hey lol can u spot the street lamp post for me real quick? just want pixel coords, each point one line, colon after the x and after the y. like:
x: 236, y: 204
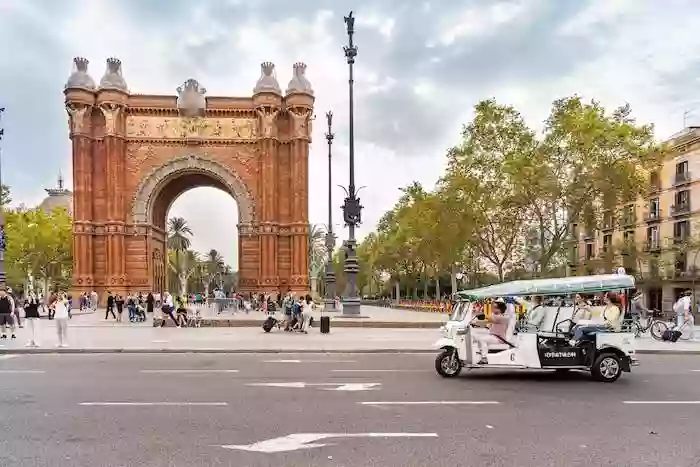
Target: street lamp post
x: 352, y: 209
x: 3, y: 238
x: 329, y: 301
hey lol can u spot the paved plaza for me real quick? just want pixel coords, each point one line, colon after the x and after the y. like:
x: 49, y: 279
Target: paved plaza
x: 143, y: 337
x: 348, y: 410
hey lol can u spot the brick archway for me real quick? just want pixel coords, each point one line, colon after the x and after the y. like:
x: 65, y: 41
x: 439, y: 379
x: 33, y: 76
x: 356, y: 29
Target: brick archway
x: 133, y: 154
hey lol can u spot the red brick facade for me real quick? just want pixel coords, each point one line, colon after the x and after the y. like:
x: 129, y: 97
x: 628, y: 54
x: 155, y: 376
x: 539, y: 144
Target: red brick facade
x: 134, y: 154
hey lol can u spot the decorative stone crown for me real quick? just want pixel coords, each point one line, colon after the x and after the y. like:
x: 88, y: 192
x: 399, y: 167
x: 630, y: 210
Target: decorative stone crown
x: 299, y: 83
x: 80, y: 78
x: 191, y: 99
x: 267, y: 81
x: 113, y: 78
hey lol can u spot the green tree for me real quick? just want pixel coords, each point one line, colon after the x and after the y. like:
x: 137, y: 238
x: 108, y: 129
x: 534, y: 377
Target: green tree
x: 39, y: 244
x: 179, y: 241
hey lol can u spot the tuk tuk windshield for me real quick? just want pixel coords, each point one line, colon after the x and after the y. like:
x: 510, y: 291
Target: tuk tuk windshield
x: 460, y: 311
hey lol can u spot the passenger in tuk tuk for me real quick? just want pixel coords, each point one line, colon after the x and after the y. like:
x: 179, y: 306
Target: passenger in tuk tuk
x: 498, y: 331
x: 612, y: 318
x: 582, y: 311
x: 536, y: 315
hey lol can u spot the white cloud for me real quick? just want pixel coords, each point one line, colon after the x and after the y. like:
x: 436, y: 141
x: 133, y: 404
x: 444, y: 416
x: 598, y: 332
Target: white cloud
x: 645, y: 53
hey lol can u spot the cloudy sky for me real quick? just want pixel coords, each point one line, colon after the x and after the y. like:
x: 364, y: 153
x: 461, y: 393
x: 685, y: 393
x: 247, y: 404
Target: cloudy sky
x: 421, y: 67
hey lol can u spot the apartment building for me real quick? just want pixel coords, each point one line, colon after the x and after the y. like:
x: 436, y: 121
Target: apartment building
x: 649, y: 238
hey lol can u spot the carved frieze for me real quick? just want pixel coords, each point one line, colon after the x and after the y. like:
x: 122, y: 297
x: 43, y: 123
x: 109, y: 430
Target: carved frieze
x: 175, y: 128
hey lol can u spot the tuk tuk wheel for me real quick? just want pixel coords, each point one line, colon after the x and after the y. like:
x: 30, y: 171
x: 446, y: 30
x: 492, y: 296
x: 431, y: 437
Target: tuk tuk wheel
x: 606, y: 368
x: 447, y: 364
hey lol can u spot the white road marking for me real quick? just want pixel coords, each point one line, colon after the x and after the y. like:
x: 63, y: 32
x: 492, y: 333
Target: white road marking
x: 663, y: 402
x: 379, y: 371
x: 340, y: 386
x: 189, y: 371
x: 159, y: 342
x: 22, y: 371
x: 297, y: 441
x: 153, y: 404
x: 430, y: 403
x: 309, y: 361
x: 7, y: 357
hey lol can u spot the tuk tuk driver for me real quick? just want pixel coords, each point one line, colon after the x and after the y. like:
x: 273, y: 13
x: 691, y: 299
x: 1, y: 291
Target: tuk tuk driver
x: 497, y: 332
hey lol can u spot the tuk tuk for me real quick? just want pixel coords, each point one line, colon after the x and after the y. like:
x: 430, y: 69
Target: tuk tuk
x: 559, y: 342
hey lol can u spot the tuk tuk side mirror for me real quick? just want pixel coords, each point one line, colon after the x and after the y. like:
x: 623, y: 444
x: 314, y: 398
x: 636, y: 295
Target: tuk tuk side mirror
x: 480, y: 317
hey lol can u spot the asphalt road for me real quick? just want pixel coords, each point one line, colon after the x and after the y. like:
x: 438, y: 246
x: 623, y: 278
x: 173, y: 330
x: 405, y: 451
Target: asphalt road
x: 55, y: 410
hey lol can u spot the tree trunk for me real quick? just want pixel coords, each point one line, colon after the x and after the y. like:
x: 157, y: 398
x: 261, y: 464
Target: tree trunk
x: 453, y: 278
x: 183, y: 283
x: 437, y: 288
x: 425, y: 286
x: 397, y: 289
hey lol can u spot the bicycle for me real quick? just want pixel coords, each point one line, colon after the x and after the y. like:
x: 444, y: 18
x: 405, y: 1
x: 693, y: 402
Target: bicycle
x: 655, y: 326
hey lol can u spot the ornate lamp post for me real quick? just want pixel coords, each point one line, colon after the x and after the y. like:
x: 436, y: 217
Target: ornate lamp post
x: 2, y: 212
x: 329, y: 301
x: 352, y: 210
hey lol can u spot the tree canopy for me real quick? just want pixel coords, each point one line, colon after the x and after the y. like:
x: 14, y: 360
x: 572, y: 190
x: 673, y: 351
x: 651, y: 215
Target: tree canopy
x: 510, y: 194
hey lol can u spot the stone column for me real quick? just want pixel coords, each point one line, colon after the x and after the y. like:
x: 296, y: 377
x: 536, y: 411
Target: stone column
x: 115, y: 153
x: 299, y: 229
x: 80, y: 134
x: 269, y: 222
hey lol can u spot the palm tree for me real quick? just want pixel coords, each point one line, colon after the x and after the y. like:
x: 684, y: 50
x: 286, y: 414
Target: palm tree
x: 212, y: 265
x: 179, y: 234
x: 317, y: 251
x: 184, y: 266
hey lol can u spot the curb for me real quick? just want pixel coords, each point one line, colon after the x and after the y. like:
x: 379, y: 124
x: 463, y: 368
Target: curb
x: 335, y: 323
x: 273, y: 351
x: 210, y: 351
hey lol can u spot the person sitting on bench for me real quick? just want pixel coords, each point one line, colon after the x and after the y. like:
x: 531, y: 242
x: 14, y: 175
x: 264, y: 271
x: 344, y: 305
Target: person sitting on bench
x: 497, y: 333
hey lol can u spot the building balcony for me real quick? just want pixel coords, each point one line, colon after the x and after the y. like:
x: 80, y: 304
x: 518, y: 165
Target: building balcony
x: 653, y: 216
x: 608, y: 223
x: 627, y: 220
x: 681, y: 239
x: 680, y: 209
x: 681, y: 178
x: 589, y: 234
x: 652, y: 246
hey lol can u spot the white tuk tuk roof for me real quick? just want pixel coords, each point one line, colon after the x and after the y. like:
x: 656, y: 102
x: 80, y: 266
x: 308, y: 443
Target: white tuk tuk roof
x: 559, y: 286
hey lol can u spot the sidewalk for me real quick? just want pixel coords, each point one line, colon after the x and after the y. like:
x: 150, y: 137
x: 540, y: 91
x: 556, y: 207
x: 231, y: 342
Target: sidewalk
x: 373, y: 317
x: 147, y: 339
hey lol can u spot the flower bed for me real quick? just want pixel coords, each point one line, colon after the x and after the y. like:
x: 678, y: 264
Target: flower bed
x: 431, y: 306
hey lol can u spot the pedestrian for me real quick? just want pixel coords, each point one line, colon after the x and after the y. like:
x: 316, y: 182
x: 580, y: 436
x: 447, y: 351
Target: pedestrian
x: 6, y: 308
x: 168, y: 308
x: 684, y: 314
x: 15, y: 308
x: 150, y: 301
x: 61, y: 317
x: 119, y: 302
x: 31, y: 316
x: 110, y: 306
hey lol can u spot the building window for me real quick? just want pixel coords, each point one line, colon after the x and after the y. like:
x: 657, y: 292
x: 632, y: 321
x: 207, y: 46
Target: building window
x: 628, y: 237
x: 681, y: 231
x: 654, y: 181
x: 682, y: 175
x: 681, y: 263
x: 682, y: 198
x: 654, y: 208
x: 653, y: 240
x: 607, y: 243
x: 589, y: 251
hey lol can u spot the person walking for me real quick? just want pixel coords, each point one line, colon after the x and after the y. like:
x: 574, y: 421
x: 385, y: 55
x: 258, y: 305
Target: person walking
x: 61, y: 317
x: 15, y: 308
x: 110, y: 306
x: 6, y: 308
x: 168, y: 308
x: 31, y: 316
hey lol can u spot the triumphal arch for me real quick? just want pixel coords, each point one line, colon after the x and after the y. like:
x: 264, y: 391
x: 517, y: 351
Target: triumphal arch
x: 134, y: 154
